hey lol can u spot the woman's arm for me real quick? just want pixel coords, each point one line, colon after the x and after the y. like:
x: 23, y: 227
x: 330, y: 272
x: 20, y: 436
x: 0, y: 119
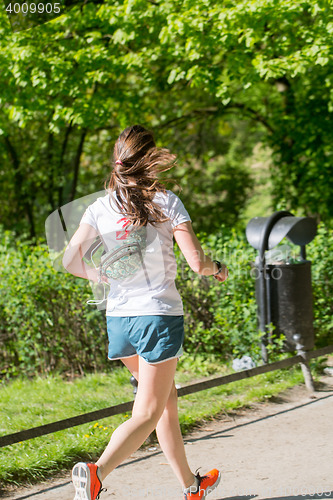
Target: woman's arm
x: 76, y: 249
x: 194, y: 254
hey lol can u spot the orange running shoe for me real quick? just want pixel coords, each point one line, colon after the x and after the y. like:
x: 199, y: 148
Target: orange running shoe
x: 206, y: 484
x: 86, y: 482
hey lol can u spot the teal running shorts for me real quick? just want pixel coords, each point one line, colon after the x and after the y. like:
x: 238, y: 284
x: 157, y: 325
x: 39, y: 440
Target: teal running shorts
x: 154, y: 338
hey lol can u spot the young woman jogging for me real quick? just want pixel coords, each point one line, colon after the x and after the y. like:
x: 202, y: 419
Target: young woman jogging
x: 144, y: 310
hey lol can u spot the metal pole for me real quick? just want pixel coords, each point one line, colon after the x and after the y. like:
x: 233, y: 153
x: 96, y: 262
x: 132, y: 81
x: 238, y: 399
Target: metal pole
x: 134, y: 383
x: 309, y: 382
x: 303, y: 252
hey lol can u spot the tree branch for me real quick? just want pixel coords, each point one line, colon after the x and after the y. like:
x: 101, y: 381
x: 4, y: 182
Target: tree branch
x: 252, y: 113
x: 202, y: 111
x: 216, y: 110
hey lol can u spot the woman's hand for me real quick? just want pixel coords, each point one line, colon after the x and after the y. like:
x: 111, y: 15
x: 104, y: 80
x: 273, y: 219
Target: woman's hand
x: 94, y: 275
x: 223, y: 274
x: 104, y: 279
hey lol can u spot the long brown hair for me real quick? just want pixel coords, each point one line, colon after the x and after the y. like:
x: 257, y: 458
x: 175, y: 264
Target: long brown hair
x: 136, y: 164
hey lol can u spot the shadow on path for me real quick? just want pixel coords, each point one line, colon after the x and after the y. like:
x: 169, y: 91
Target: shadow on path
x: 261, y: 419
x: 45, y: 490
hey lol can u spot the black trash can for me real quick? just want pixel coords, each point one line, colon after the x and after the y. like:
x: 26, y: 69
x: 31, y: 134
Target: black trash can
x: 283, y: 289
x: 289, y: 302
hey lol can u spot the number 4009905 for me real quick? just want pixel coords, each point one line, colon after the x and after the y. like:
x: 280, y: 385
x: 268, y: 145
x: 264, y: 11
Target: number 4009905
x: 25, y: 8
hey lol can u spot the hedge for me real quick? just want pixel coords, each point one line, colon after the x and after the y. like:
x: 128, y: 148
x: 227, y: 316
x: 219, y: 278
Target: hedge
x: 47, y: 326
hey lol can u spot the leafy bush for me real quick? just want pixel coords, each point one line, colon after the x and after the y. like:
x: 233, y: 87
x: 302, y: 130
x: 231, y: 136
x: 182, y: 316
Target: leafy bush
x: 46, y: 325
x: 320, y: 252
x: 220, y: 318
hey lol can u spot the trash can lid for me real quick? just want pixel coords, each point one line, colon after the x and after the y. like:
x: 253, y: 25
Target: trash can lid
x: 298, y: 230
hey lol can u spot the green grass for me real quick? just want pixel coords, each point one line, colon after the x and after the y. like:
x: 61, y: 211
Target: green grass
x: 29, y: 403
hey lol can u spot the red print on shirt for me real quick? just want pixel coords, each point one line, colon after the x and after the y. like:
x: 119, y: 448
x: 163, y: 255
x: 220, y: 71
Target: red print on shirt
x: 122, y: 235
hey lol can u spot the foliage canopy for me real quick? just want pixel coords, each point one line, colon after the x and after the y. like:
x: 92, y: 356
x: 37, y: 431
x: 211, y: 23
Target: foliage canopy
x: 187, y: 69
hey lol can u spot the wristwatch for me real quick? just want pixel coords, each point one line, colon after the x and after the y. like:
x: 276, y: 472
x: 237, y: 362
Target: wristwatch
x: 220, y: 267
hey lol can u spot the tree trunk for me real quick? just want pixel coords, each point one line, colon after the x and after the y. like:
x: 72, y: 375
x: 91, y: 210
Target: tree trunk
x: 61, y: 161
x: 23, y: 200
x: 77, y: 164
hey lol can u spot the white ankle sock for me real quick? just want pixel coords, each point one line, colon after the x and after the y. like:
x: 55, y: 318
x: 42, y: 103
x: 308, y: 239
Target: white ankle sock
x: 98, y: 472
x: 194, y: 487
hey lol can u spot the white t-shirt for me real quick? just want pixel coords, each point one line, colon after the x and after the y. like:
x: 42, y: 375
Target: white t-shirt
x: 151, y: 290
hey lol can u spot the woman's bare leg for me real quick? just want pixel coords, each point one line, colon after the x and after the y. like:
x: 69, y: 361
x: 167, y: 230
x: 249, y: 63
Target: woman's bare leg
x: 152, y: 395
x: 168, y: 431
x: 171, y: 440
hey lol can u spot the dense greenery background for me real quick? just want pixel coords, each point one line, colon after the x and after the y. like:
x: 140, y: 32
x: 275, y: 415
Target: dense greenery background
x: 46, y: 325
x: 242, y: 91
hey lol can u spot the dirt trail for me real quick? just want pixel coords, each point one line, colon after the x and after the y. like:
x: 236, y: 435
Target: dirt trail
x: 281, y: 450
